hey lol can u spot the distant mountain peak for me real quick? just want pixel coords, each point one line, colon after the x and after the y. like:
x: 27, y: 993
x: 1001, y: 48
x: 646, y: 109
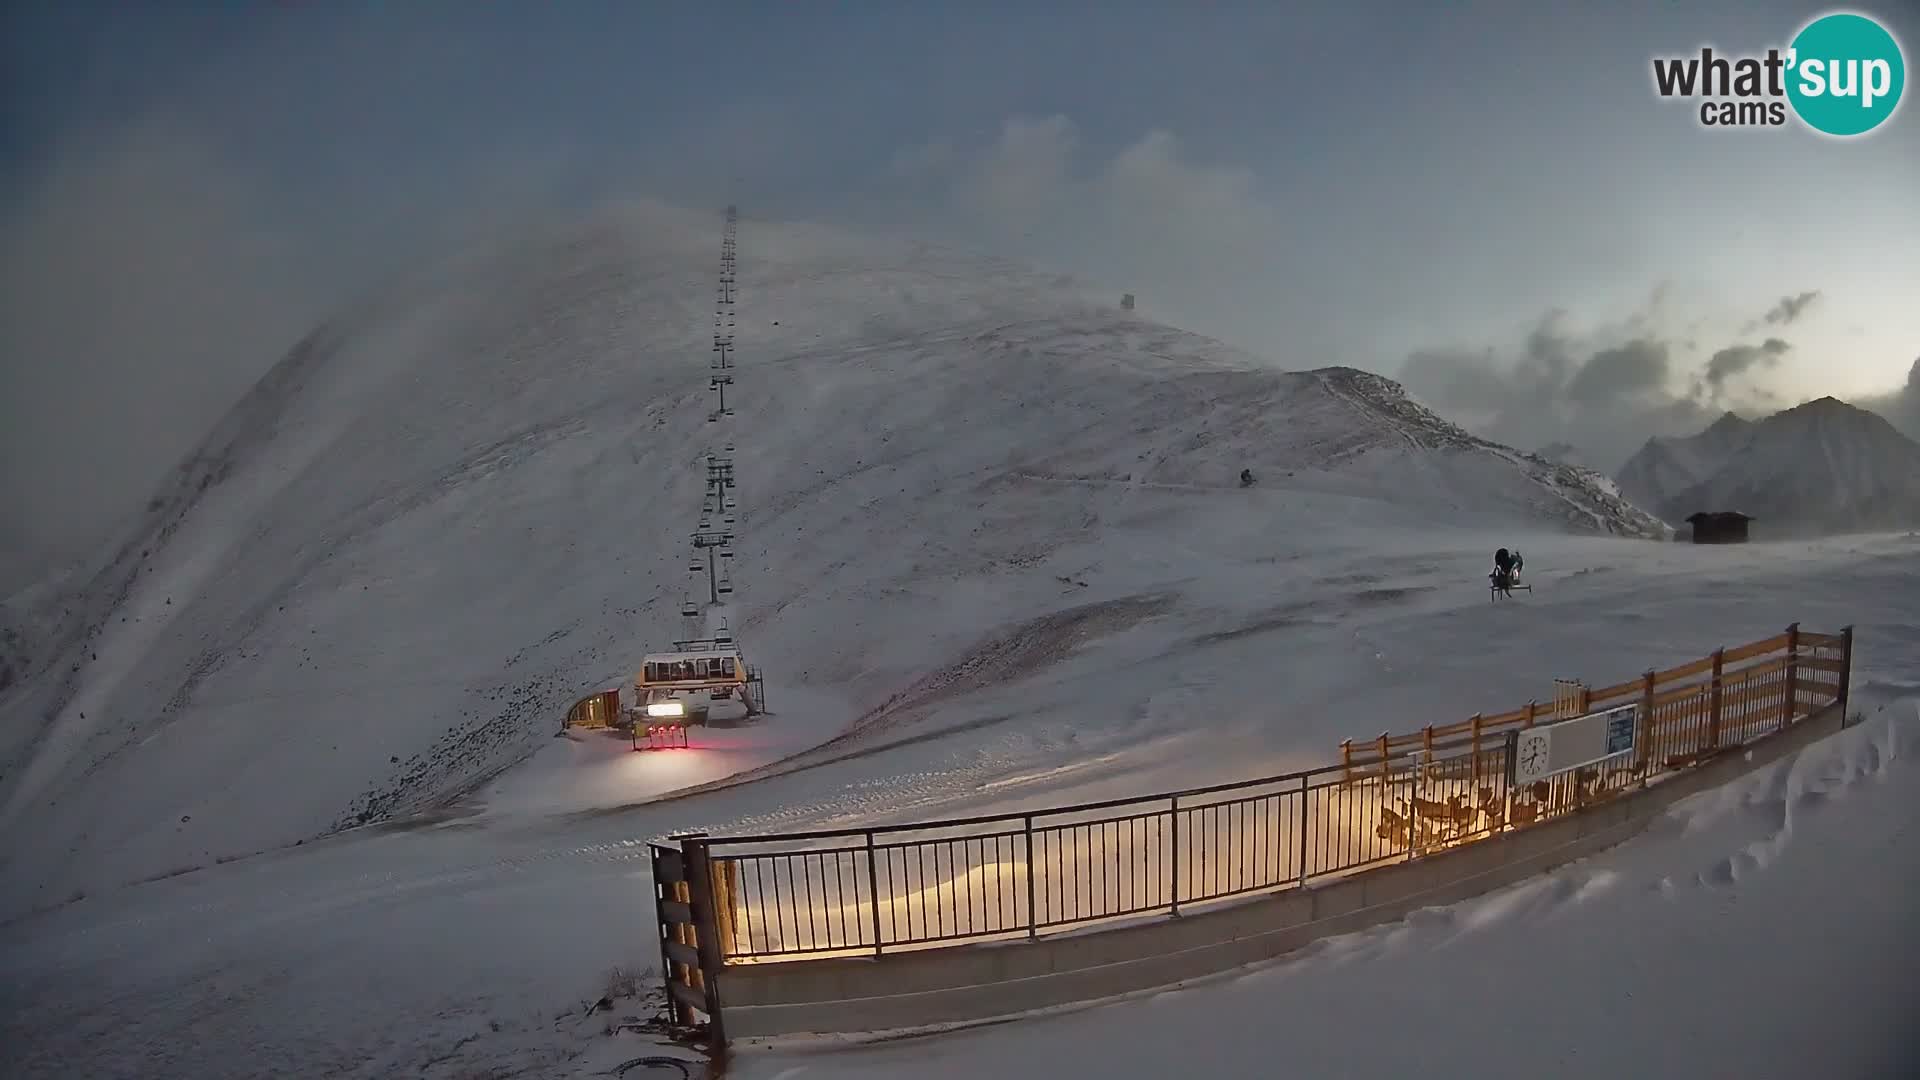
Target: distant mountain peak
x: 1820, y: 467
x: 1826, y: 406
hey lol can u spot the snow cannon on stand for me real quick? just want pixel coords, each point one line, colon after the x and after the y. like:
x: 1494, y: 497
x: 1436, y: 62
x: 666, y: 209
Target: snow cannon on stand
x: 1504, y: 580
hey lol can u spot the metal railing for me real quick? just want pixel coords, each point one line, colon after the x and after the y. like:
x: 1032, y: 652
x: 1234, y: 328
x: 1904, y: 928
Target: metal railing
x: 867, y: 891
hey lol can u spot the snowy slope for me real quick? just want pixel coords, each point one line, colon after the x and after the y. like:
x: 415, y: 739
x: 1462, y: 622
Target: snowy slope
x: 1822, y: 467
x: 1691, y: 952
x: 473, y: 949
x: 453, y: 510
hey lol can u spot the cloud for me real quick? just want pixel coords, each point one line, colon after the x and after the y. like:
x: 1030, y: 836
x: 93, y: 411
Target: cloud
x: 1023, y: 179
x: 1603, y: 388
x: 1785, y: 311
x: 148, y: 278
x: 1901, y: 406
x: 1145, y: 216
x: 1740, y: 359
x: 927, y: 158
x: 142, y: 287
x: 1147, y: 190
x: 1626, y: 372
x: 1790, y: 307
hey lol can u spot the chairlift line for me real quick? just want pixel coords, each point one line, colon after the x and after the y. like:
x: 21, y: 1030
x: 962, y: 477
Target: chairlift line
x: 674, y: 689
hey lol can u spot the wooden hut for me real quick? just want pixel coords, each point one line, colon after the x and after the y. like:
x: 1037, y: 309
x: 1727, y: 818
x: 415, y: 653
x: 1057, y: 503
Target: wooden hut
x: 1720, y: 527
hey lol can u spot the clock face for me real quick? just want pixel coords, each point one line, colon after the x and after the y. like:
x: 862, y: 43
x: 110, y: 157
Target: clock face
x: 1532, y: 752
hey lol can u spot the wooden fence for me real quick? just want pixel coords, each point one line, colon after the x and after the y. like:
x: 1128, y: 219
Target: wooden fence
x: 1690, y: 710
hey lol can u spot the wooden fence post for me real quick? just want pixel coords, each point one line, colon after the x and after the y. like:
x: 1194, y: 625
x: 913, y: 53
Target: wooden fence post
x: 668, y: 870
x: 1793, y: 676
x: 1644, y: 742
x: 1713, y: 700
x: 706, y: 937
x: 1846, y: 669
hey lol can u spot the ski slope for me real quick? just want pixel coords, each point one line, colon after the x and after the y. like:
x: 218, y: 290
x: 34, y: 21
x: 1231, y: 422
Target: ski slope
x: 451, y: 948
x: 281, y: 794
x: 461, y: 505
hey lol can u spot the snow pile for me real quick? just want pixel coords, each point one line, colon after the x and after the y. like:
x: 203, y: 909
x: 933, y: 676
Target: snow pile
x: 1820, y: 468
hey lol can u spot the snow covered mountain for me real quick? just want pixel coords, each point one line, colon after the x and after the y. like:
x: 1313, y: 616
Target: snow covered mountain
x: 1666, y: 467
x: 1819, y: 468
x: 451, y: 511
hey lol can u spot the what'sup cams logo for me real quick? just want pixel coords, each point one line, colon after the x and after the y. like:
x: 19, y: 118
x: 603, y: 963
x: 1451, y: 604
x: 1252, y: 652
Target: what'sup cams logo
x: 1842, y: 75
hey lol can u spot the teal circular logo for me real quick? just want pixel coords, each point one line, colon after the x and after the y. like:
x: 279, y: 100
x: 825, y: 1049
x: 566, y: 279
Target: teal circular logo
x: 1845, y: 74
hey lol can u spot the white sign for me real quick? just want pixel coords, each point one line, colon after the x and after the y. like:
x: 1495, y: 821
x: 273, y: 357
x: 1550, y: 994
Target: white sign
x: 1551, y: 749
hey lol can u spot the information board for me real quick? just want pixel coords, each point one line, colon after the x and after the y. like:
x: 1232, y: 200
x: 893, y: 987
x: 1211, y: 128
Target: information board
x: 1575, y: 743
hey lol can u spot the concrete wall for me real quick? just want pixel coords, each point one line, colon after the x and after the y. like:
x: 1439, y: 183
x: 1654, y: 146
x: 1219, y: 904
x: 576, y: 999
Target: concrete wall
x: 984, y: 980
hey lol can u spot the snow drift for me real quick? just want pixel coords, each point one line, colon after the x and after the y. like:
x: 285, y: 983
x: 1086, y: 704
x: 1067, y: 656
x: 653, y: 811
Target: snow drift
x: 452, y: 510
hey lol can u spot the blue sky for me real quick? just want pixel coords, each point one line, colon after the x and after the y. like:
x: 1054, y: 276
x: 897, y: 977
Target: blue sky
x: 1319, y: 185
